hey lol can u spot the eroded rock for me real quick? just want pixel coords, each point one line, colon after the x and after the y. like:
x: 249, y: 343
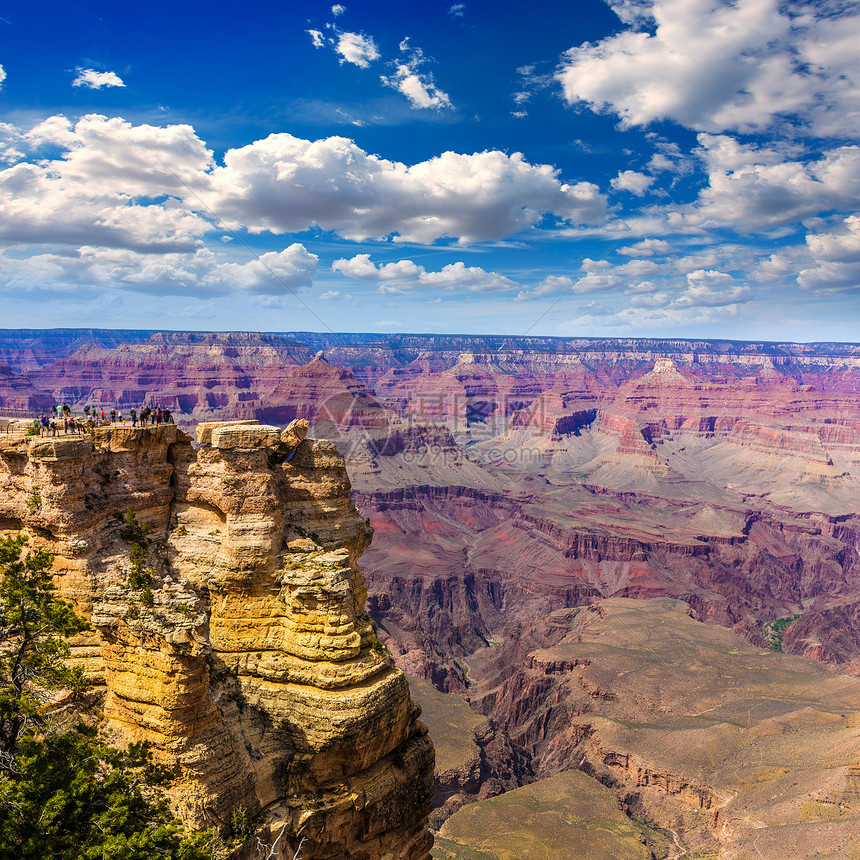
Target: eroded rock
x: 243, y: 652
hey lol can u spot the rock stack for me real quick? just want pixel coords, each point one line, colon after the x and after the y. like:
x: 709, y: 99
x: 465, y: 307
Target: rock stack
x: 239, y: 645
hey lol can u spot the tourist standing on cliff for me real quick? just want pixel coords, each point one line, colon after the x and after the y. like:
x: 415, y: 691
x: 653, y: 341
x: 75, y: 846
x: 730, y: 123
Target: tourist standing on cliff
x: 133, y: 417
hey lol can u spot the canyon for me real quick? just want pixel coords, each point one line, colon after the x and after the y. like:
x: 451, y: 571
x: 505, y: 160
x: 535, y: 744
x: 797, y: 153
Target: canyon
x: 705, y: 494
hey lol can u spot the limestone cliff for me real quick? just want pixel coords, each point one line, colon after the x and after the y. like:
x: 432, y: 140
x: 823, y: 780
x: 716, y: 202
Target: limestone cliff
x: 248, y: 660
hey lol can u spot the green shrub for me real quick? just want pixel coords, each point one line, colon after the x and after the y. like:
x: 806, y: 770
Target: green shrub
x: 133, y: 531
x: 241, y: 824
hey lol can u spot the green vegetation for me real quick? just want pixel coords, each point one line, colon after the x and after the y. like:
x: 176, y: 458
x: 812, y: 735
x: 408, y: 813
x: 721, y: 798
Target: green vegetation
x: 132, y: 531
x: 146, y: 597
x: 774, y: 630
x: 75, y: 798
x: 452, y: 725
x: 138, y: 578
x: 33, y: 630
x: 241, y: 825
x: 65, y: 794
x: 564, y: 816
x: 378, y: 648
x: 33, y: 501
x: 135, y: 533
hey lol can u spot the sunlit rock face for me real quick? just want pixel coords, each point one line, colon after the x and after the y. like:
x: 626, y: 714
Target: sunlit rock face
x: 248, y: 659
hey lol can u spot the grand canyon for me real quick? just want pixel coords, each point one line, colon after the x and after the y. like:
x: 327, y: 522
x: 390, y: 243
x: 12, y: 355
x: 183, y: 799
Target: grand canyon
x: 620, y: 575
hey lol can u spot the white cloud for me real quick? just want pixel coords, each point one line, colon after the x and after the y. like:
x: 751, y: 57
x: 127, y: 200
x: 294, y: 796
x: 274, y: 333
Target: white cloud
x: 88, y: 195
x: 710, y: 288
x: 550, y: 286
x: 757, y: 188
x: 140, y: 186
x: 404, y: 275
x: 418, y: 87
x: 200, y: 273
x: 338, y: 9
x: 632, y: 181
x: 357, y: 49
x: 286, y: 184
x: 457, y: 10
x: 836, y: 258
x: 2, y: 75
x: 639, y: 268
x: 597, y: 280
x: 317, y: 38
x: 646, y: 248
x: 714, y: 65
x: 841, y: 245
x: 93, y: 80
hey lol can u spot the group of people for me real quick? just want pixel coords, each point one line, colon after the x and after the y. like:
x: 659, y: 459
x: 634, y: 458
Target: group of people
x: 49, y: 424
x: 151, y: 416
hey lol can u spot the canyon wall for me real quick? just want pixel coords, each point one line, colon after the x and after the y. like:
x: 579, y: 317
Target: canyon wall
x: 228, y: 626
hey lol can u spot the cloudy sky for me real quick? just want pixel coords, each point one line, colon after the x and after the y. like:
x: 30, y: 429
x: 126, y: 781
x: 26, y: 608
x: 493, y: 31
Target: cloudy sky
x: 669, y: 168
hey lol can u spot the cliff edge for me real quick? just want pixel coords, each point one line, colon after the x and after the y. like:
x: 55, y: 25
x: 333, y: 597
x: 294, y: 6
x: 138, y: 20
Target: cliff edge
x: 229, y: 627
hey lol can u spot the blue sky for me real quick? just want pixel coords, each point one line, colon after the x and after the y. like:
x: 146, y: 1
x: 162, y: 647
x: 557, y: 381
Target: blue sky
x: 667, y: 168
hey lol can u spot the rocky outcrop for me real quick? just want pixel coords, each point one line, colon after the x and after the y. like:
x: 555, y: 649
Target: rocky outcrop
x: 229, y: 626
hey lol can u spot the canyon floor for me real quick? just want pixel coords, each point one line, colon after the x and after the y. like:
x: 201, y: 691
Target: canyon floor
x: 622, y: 574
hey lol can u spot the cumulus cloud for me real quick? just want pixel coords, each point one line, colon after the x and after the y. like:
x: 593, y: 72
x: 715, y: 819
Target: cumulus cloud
x: 143, y: 187
x: 356, y: 48
x: 200, y: 273
x: 596, y: 280
x: 338, y: 9
x: 317, y: 38
x: 632, y: 181
x: 93, y: 80
x: 457, y: 10
x: 710, y: 288
x: 836, y: 258
x: 286, y: 184
x: 403, y: 275
x: 646, y: 248
x: 715, y: 65
x: 88, y: 196
x: 760, y: 187
x: 2, y: 75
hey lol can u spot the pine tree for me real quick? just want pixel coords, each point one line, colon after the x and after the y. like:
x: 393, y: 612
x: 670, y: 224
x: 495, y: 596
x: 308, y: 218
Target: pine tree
x: 65, y: 794
x: 34, y: 626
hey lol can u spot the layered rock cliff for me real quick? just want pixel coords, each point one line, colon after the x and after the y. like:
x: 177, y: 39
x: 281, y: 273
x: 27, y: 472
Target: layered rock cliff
x: 229, y: 626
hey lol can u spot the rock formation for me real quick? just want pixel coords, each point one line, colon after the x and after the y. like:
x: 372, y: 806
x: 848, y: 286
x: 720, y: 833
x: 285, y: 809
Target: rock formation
x: 233, y: 634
